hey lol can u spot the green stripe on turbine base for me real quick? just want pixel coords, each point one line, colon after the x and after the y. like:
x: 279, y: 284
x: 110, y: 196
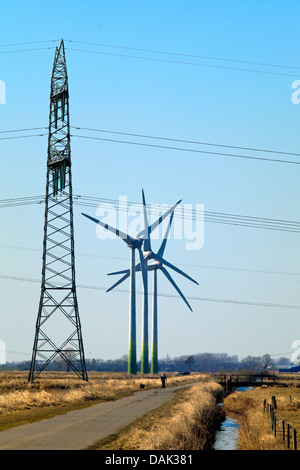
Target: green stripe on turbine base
x: 154, y: 359
x: 144, y: 358
x: 132, y: 369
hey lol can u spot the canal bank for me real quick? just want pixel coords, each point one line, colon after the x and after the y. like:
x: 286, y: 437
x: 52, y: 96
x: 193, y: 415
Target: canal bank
x: 227, y: 436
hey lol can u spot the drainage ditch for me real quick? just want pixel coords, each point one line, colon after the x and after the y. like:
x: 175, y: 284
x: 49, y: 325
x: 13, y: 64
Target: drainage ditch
x: 227, y: 436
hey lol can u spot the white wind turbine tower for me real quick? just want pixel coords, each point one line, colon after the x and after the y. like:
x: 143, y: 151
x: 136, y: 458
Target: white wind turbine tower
x: 133, y: 244
x: 158, y: 264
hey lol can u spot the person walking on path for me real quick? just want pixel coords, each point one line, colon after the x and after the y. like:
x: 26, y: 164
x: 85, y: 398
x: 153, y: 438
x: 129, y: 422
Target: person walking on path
x: 163, y: 379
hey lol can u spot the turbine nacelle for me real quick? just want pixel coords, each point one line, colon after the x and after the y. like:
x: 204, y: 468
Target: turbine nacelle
x: 137, y: 243
x: 148, y: 255
x: 156, y: 265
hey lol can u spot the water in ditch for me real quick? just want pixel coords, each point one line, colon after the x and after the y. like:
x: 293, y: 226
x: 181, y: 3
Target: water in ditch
x: 227, y: 437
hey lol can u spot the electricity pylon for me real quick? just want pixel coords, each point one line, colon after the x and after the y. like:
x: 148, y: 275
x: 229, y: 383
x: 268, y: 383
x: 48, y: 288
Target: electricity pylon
x: 58, y: 330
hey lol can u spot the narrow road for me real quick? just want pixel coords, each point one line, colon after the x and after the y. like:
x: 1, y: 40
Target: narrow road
x: 79, y: 429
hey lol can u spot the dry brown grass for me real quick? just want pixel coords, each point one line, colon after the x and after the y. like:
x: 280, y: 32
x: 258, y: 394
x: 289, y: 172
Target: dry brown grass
x: 187, y: 423
x: 53, y: 393
x: 193, y: 425
x: 256, y: 432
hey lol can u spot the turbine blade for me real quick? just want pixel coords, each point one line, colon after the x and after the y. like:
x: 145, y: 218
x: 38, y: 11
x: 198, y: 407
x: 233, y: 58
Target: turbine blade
x: 147, y: 245
x: 145, y: 233
x: 175, y: 286
x: 164, y: 242
x: 142, y: 265
x: 152, y: 267
x: 124, y: 271
x: 163, y: 261
x: 119, y: 282
x: 127, y: 239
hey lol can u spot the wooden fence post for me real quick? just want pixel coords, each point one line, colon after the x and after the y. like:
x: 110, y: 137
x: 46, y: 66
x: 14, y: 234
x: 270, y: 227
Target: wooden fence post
x: 272, y: 416
x: 287, y: 429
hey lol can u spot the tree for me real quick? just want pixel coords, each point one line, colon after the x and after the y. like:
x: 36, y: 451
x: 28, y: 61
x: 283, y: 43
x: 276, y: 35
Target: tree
x: 189, y: 362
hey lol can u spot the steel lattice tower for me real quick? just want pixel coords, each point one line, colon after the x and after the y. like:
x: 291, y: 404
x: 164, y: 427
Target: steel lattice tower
x: 58, y: 330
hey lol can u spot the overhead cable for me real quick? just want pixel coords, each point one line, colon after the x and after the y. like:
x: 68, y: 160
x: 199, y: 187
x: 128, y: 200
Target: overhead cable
x: 206, y: 152
x: 187, y: 213
x: 156, y: 51
x: 194, y: 142
x: 183, y: 54
x: 155, y: 59
x: 196, y: 266
x: 202, y: 299
x: 169, y: 139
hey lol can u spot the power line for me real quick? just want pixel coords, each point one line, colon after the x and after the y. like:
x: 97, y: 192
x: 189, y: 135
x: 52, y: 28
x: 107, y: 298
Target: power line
x: 169, y: 139
x: 191, y: 214
x: 162, y: 60
x: 28, y: 50
x: 183, y: 63
x: 204, y: 152
x: 198, y: 266
x: 151, y: 59
x: 232, y: 221
x: 143, y: 144
x: 183, y: 54
x: 25, y: 43
x: 201, y: 299
x: 22, y: 201
x: 179, y: 54
x: 22, y: 136
x: 195, y: 142
x: 22, y: 130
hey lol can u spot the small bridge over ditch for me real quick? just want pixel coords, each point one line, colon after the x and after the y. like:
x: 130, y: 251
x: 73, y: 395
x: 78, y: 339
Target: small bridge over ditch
x: 233, y: 381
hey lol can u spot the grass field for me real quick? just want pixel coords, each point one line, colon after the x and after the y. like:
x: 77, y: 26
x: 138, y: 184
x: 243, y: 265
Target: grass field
x: 188, y: 422
x: 256, y: 431
x: 191, y: 417
x: 57, y: 393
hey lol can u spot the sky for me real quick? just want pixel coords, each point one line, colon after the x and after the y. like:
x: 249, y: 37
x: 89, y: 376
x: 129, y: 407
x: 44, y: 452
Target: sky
x: 216, y: 72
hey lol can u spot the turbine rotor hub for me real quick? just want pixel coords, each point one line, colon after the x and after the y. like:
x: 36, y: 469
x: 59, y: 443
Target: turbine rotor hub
x: 136, y: 243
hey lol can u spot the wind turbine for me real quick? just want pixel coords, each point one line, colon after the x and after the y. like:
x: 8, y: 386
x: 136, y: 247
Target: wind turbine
x: 159, y: 261
x: 133, y: 244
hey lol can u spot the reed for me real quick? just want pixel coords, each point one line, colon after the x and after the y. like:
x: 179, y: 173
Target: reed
x: 188, y: 425
x: 255, y: 431
x: 59, y: 389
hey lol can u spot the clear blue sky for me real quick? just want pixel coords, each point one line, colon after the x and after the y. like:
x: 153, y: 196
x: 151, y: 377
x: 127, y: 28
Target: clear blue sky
x: 226, y: 97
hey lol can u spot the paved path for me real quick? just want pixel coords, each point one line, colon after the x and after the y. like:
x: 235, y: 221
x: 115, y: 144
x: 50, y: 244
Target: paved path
x: 81, y: 428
